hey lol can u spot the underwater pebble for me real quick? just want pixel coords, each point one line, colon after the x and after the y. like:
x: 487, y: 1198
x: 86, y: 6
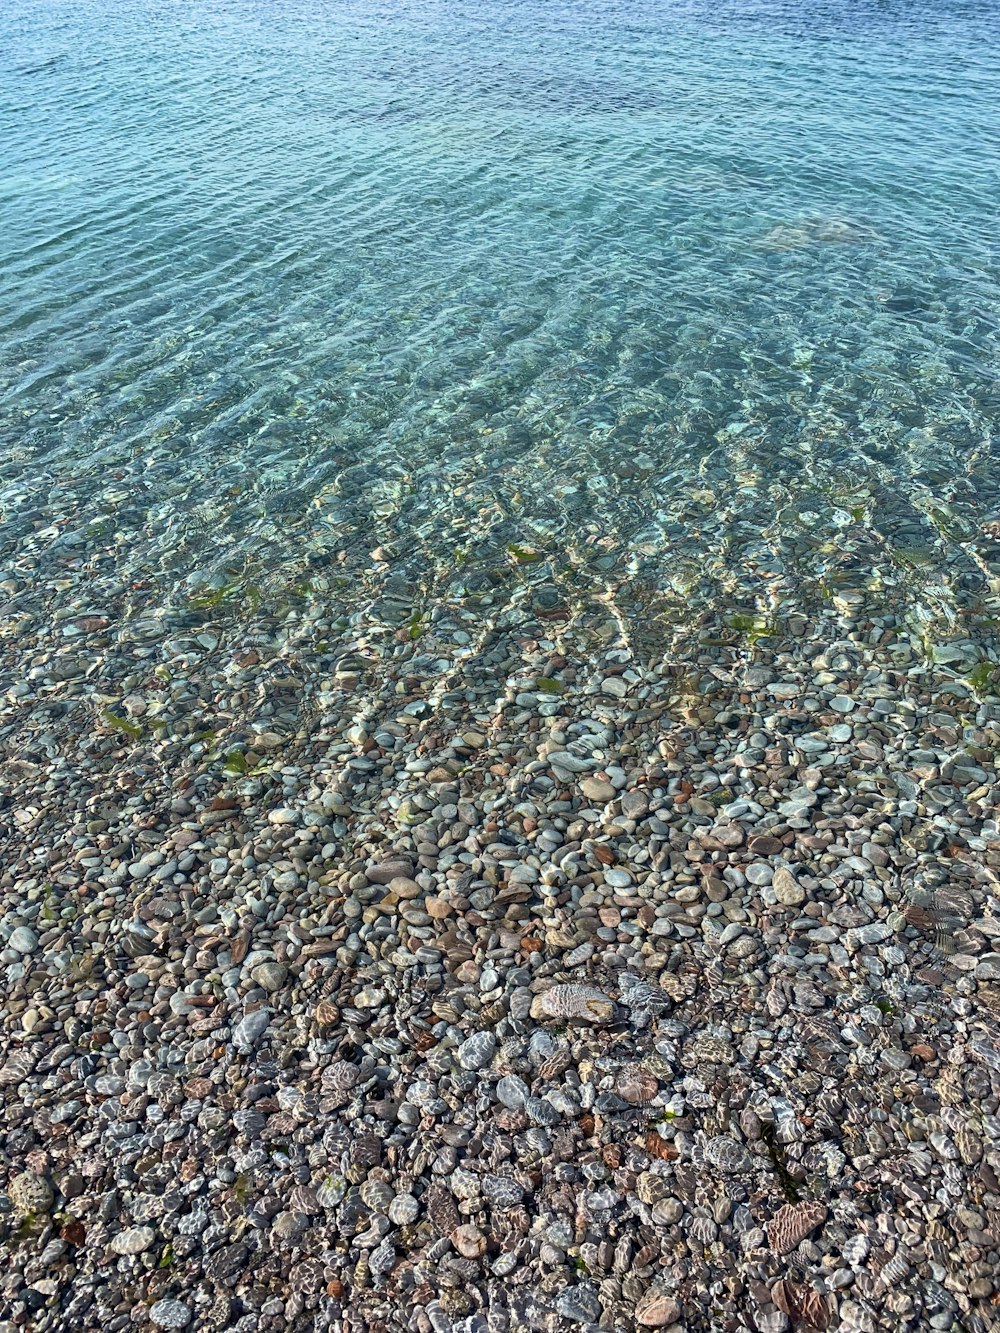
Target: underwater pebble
x: 565, y: 976
x: 170, y: 1314
x: 133, y: 1240
x: 572, y: 1001
x: 477, y: 1051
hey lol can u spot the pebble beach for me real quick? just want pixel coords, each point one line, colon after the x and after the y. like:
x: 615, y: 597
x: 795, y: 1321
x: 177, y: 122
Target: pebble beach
x: 499, y: 667
x: 476, y: 987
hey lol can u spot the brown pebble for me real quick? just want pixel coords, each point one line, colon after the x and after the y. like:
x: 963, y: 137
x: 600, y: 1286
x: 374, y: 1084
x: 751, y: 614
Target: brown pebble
x: 469, y: 1241
x: 763, y: 844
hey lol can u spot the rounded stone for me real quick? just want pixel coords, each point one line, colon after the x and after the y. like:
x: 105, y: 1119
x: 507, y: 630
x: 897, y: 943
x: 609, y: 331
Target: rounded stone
x: 469, y: 1241
x: 270, y: 976
x: 596, y: 789
x: 250, y: 1029
x: 170, y: 1314
x: 404, y: 1208
x: 477, y: 1051
x: 30, y: 1193
x: 574, y: 1001
x: 23, y: 940
x: 404, y: 887
x: 727, y: 1154
x: 656, y: 1310
x: 787, y: 889
x: 617, y: 879
x: 133, y: 1240
x: 512, y: 1092
x: 759, y: 873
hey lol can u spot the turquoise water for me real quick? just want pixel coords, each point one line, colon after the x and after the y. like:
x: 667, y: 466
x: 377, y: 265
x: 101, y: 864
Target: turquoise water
x: 696, y: 302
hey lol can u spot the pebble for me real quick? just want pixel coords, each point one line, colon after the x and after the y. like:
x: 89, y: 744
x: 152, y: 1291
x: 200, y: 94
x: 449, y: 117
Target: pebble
x: 596, y: 789
x: 469, y: 1241
x: 385, y: 872
x: 269, y: 975
x: 512, y: 1091
x: 788, y: 891
x: 170, y: 1314
x: 573, y: 1001
x: 250, y: 1029
x: 570, y: 763
x: 579, y: 1304
x: 23, y: 940
x: 133, y: 1240
x: 476, y: 1052
x: 657, y: 1309
x: 30, y: 1193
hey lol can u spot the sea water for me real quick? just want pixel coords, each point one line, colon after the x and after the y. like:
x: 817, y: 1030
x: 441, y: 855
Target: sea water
x: 695, y: 301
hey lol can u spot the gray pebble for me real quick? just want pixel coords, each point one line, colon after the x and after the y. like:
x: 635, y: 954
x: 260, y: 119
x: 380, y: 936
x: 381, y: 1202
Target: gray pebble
x: 23, y: 940
x: 170, y: 1314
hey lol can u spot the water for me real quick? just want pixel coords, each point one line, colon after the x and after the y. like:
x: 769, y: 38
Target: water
x: 693, y: 307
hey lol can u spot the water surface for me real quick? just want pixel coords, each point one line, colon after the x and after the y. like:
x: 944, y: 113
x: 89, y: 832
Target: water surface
x: 700, y: 302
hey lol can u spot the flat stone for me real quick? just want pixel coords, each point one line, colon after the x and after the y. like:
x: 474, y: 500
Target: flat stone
x: 404, y: 887
x: 134, y: 1240
x: 250, y: 1029
x: 874, y: 933
x: 763, y: 844
x: 618, y: 879
x: 656, y: 1309
x: 788, y: 891
x: 571, y: 1000
x: 795, y: 809
x: 727, y: 835
x: 570, y: 763
x: 596, y: 789
x: 384, y: 872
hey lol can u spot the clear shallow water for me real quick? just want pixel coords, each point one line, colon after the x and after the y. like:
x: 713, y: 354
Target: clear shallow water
x: 698, y: 304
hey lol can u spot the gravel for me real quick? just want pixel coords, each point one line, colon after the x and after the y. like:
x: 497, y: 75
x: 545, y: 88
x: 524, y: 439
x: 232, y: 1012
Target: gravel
x: 655, y: 998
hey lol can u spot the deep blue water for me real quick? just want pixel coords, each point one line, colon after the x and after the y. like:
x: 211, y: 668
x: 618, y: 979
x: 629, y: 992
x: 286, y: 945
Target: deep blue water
x: 704, y: 294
